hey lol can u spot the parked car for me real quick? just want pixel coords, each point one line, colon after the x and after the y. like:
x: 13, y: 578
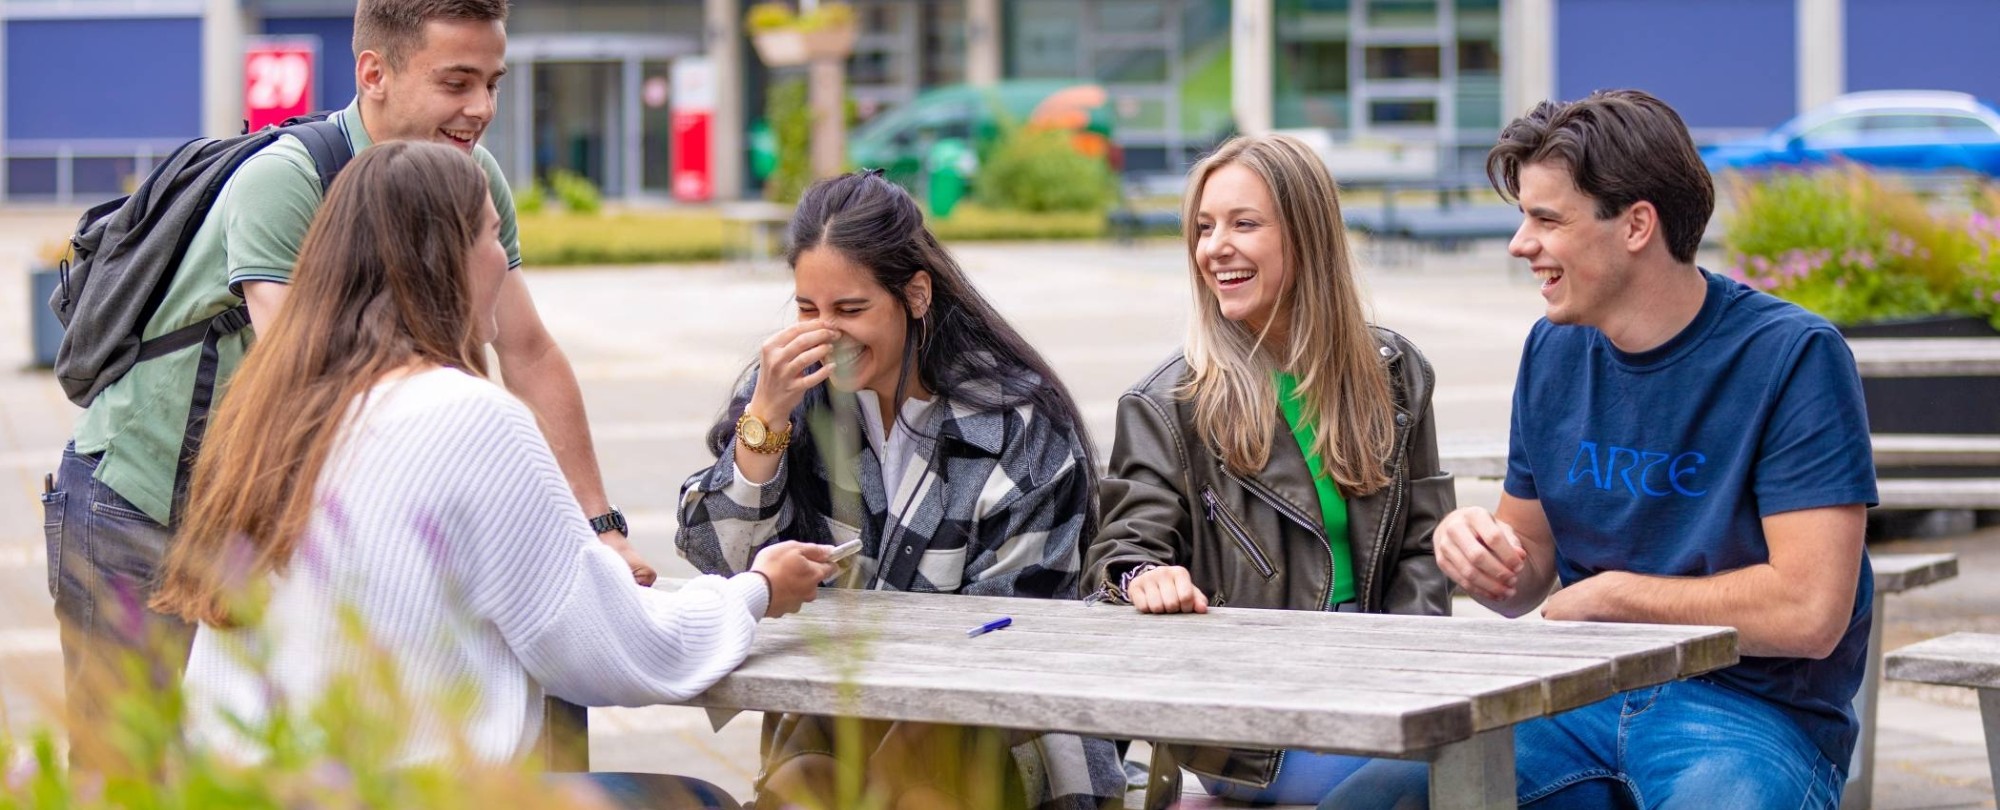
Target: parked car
x: 1900, y: 130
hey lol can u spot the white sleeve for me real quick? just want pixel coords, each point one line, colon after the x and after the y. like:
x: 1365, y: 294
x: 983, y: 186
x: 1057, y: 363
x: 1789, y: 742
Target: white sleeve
x: 523, y: 553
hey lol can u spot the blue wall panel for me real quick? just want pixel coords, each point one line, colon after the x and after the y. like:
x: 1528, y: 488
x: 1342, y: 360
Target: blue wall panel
x: 1721, y: 63
x: 1924, y: 45
x: 104, y: 78
x: 335, y: 68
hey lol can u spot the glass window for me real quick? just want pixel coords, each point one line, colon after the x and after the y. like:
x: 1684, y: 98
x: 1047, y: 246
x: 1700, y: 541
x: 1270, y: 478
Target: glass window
x: 1318, y: 67
x: 102, y: 176
x: 1478, y: 57
x: 1130, y: 16
x: 1403, y: 111
x: 1131, y: 65
x: 31, y: 177
x: 1832, y: 131
x: 1042, y: 39
x: 873, y: 67
x: 1310, y: 73
x: 1205, y: 71
x: 1403, y: 13
x: 1966, y: 127
x: 1402, y: 62
x: 944, y: 43
x: 1135, y: 112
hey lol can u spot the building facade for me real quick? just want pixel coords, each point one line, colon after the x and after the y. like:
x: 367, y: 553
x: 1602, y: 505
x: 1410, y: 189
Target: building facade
x: 93, y: 91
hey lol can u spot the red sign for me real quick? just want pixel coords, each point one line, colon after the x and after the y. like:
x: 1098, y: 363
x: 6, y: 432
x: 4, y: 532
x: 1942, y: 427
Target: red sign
x: 277, y: 79
x: 693, y: 106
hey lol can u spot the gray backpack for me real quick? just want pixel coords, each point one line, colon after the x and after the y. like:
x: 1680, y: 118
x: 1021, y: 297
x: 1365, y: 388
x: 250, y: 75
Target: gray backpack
x: 124, y: 255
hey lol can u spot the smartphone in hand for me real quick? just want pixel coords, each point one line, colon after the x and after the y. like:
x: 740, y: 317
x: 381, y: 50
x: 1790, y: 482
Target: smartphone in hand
x: 845, y: 550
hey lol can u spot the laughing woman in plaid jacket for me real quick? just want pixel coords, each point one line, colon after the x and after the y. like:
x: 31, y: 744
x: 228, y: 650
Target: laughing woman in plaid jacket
x: 902, y: 410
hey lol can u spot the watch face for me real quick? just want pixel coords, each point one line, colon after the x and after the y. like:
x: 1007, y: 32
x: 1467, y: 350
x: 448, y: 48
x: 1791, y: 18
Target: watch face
x: 752, y: 430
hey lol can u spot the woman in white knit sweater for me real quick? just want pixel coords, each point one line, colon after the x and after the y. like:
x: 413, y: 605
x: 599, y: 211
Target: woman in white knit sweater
x: 363, y: 468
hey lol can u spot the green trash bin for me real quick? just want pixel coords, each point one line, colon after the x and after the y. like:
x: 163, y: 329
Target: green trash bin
x: 947, y: 166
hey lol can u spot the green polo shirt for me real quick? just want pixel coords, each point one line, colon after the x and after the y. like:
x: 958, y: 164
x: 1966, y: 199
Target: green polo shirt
x: 252, y: 233
x: 1332, y: 507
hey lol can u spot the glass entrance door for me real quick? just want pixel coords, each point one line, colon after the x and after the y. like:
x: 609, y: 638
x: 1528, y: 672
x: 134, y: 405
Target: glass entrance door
x: 577, y: 122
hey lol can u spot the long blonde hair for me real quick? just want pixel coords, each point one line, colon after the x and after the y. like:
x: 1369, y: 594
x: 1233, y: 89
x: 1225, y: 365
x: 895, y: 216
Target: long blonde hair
x: 1343, y: 384
x: 380, y: 282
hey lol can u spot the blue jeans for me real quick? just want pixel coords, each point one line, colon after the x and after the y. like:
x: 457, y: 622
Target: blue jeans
x: 1304, y: 778
x: 103, y: 558
x: 1687, y: 744
x: 650, y: 791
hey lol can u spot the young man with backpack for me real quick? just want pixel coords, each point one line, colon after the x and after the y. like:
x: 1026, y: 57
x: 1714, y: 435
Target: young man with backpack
x: 425, y: 70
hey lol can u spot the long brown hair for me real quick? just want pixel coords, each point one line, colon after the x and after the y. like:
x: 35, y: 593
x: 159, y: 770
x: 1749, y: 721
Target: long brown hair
x: 1342, y: 382
x: 380, y: 283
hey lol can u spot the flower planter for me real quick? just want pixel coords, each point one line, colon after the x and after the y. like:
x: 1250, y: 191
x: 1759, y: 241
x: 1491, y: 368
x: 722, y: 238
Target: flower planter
x: 1955, y: 405
x: 783, y: 48
x: 790, y: 47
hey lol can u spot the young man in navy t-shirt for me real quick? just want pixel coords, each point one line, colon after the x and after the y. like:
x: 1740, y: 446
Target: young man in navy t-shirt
x: 1684, y: 450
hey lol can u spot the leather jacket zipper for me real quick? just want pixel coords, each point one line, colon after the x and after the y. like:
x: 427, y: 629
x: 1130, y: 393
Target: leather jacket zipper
x: 1274, y: 501
x: 1398, y: 476
x: 1219, y: 514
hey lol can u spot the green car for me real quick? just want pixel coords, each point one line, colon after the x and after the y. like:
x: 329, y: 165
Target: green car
x: 901, y: 141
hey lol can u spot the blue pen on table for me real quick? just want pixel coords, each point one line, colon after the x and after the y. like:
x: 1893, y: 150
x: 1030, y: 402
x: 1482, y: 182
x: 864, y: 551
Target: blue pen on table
x: 989, y: 627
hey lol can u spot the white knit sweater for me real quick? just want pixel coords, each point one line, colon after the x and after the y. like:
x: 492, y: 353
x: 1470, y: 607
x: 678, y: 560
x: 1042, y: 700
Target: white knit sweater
x: 446, y: 528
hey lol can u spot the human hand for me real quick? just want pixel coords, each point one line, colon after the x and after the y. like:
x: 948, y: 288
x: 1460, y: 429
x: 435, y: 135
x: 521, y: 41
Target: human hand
x: 794, y: 570
x: 782, y: 380
x: 1480, y: 553
x: 1585, y: 600
x: 642, y: 571
x: 1166, y: 589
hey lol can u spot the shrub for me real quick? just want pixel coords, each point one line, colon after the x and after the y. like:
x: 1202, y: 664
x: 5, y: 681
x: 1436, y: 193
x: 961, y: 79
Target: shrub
x: 765, y: 17
x: 1853, y: 248
x: 636, y: 238
x: 530, y: 200
x: 576, y: 192
x: 791, y: 129
x: 1040, y: 169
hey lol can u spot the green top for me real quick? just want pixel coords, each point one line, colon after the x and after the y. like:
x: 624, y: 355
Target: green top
x: 252, y: 233
x: 1332, y: 507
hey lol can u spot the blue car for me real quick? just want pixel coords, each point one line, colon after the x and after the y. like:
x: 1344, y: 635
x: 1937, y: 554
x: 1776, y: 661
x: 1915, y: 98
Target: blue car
x: 1908, y: 131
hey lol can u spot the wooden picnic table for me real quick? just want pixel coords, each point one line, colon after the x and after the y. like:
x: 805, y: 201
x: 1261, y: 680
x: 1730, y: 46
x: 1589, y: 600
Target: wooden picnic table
x: 1970, y: 660
x: 1438, y: 689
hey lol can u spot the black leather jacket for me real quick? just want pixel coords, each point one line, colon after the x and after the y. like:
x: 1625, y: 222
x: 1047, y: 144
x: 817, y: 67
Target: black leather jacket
x: 1257, y: 541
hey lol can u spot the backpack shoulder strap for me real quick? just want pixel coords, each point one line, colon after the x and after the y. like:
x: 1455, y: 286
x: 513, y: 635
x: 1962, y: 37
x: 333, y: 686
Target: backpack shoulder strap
x: 327, y: 143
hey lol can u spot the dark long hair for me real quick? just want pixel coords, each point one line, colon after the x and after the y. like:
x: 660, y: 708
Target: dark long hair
x: 961, y: 350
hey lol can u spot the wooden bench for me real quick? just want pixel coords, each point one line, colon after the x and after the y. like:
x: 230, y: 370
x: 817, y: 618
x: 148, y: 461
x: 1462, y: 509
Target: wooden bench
x: 1894, y: 573
x: 1970, y: 660
x: 1926, y: 357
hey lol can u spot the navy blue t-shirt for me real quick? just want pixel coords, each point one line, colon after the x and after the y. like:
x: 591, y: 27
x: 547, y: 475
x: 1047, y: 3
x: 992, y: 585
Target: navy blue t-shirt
x: 1664, y: 462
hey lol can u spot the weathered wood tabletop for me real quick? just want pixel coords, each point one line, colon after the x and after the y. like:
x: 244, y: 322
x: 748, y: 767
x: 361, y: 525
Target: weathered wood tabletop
x: 1970, y: 660
x: 1439, y: 689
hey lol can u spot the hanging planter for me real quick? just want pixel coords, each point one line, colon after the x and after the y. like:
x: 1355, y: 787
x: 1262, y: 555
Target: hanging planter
x: 784, y: 39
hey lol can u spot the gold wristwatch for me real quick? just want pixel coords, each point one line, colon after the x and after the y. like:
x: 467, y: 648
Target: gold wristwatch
x: 760, y: 438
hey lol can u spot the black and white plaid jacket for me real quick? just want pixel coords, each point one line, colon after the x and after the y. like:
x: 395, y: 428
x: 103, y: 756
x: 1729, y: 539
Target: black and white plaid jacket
x: 993, y: 503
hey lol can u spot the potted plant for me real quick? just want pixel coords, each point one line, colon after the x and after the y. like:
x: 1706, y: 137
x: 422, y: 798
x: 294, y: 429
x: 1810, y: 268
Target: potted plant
x: 1878, y: 261
x: 784, y: 39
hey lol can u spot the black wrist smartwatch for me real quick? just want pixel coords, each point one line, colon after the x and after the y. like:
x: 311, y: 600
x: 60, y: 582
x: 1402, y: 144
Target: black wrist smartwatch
x: 612, y: 521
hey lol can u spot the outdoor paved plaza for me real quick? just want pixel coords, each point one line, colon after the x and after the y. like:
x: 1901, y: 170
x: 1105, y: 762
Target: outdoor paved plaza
x: 657, y: 349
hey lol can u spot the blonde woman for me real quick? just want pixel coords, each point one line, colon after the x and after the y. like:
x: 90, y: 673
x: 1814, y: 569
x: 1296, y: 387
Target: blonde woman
x: 1285, y: 456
